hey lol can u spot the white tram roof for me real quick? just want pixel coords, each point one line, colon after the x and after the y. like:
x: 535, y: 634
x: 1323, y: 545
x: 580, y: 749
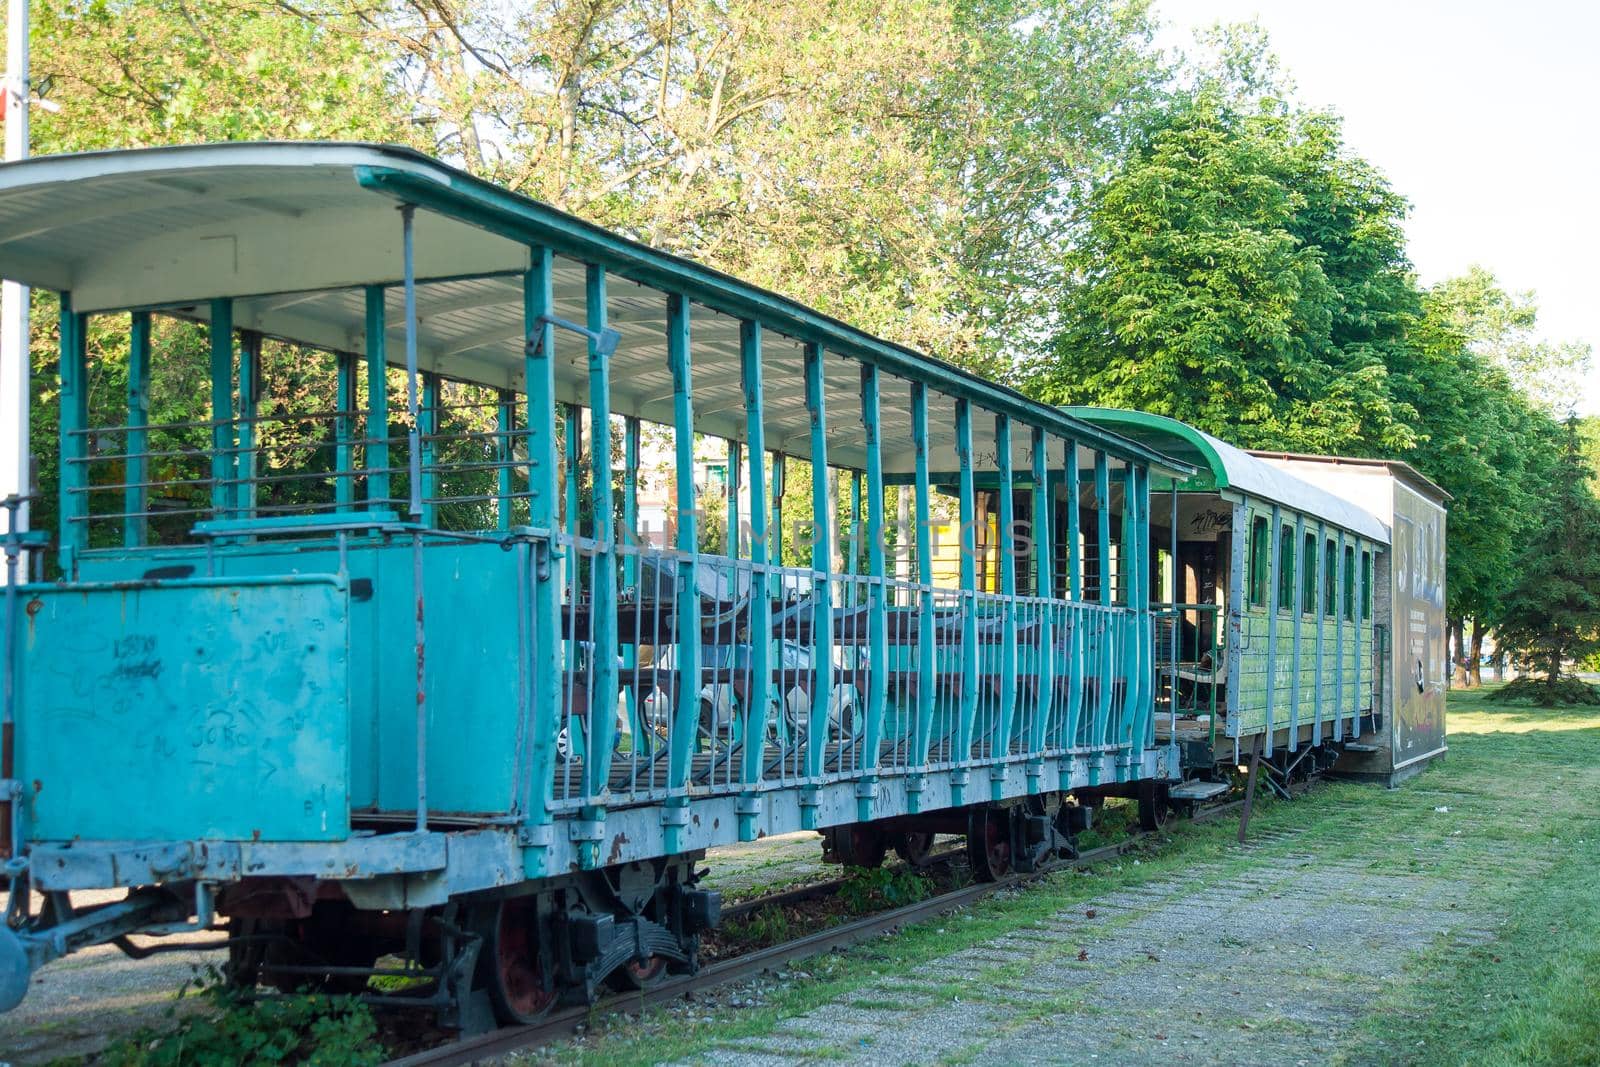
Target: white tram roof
x: 1221, y: 466
x: 293, y: 231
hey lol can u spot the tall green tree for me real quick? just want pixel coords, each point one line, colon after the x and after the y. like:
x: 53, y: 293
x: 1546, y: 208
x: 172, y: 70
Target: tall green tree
x: 1243, y: 273
x: 1552, y: 612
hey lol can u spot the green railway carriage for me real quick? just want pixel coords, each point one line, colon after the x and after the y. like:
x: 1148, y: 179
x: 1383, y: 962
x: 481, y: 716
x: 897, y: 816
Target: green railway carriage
x: 1275, y: 596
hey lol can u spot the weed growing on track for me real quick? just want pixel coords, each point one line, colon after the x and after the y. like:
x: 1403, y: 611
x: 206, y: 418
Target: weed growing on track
x: 311, y: 1030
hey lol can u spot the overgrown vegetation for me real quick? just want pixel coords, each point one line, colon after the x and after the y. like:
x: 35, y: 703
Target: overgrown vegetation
x: 235, y: 1030
x: 1563, y: 691
x: 870, y: 889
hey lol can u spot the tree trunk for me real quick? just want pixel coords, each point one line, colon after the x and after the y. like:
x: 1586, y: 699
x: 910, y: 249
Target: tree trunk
x: 1475, y: 670
x: 1458, y: 659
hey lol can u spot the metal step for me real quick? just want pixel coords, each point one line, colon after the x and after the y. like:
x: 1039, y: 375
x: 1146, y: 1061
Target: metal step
x: 1357, y: 746
x: 1198, y: 790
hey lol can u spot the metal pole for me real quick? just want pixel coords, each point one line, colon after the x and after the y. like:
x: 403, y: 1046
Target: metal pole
x: 414, y: 459
x: 15, y: 477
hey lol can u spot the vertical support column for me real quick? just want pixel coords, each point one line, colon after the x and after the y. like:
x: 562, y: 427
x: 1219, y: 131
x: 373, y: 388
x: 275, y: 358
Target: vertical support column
x: 686, y: 703
x: 344, y: 430
x: 822, y: 590
x: 877, y: 591
x: 427, y: 432
x: 1276, y: 552
x: 1130, y: 568
x: 544, y: 644
x: 630, y: 501
x: 1297, y: 620
x: 1006, y: 562
x: 223, y: 466
x: 377, y: 399
x: 574, y: 471
x: 136, y: 497
x: 1320, y: 609
x: 969, y: 604
x: 755, y: 731
x: 414, y: 510
x: 505, y: 425
x: 1105, y: 631
x: 779, y: 471
x: 1175, y: 577
x: 733, y: 541
x: 1077, y: 617
x: 927, y: 673
x: 73, y: 498
x: 603, y: 565
x: 1338, y: 640
x: 244, y: 492
x: 1044, y: 591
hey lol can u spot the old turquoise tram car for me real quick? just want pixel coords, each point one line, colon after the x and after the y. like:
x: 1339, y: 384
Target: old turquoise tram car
x: 346, y: 643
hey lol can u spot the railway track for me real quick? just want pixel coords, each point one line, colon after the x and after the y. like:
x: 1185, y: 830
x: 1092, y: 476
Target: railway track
x: 565, y: 1022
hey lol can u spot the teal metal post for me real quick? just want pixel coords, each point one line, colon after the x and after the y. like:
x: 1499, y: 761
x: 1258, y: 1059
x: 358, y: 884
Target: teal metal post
x: 969, y: 604
x: 755, y: 731
x: 630, y: 505
x: 1077, y: 616
x: 603, y: 564
x: 1044, y: 590
x: 1130, y: 567
x: 732, y: 538
x: 344, y: 430
x: 244, y: 490
x: 686, y: 705
x: 877, y: 593
x: 545, y: 674
x: 1106, y: 632
x: 427, y: 434
x: 377, y: 400
x: 73, y: 498
x: 779, y: 469
x: 822, y: 591
x: 505, y: 425
x: 927, y: 677
x: 135, y: 498
x: 574, y: 471
x: 1006, y: 559
x: 223, y: 465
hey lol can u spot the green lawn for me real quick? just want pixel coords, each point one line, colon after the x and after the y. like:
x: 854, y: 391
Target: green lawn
x: 1513, y: 807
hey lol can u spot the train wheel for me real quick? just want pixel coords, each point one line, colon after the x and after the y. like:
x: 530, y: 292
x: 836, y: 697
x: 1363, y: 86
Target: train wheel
x: 989, y: 844
x: 915, y: 847
x: 1154, y: 809
x: 636, y: 975
x: 511, y: 968
x: 856, y: 845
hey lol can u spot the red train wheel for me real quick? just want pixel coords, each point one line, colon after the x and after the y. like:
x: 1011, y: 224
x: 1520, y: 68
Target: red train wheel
x: 989, y: 844
x: 515, y: 974
x: 915, y: 847
x: 636, y: 975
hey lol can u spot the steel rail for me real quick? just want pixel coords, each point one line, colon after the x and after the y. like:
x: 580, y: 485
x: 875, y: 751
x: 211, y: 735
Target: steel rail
x: 565, y: 1022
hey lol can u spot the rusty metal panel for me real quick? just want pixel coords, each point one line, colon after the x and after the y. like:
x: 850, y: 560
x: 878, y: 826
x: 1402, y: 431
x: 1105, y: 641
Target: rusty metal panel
x: 179, y: 710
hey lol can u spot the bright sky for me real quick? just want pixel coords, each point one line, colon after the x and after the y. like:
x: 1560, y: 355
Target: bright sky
x: 1484, y: 114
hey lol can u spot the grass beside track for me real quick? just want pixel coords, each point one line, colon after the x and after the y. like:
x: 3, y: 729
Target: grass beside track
x: 1513, y: 806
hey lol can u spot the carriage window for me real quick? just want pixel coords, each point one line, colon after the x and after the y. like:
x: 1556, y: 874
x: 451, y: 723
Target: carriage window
x: 1258, y: 561
x: 1308, y: 576
x: 1349, y: 583
x: 1366, y: 585
x: 1330, y: 589
x: 1286, y: 567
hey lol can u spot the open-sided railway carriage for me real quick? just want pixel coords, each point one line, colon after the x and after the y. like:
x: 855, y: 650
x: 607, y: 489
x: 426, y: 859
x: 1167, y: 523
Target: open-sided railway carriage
x: 390, y: 672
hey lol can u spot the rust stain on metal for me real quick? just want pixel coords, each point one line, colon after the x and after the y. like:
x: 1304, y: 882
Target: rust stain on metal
x: 616, y: 848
